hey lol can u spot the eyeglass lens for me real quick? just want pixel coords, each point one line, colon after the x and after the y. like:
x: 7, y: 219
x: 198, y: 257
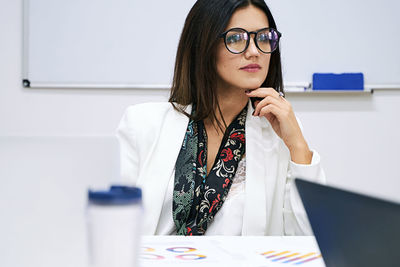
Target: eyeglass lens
x: 266, y: 40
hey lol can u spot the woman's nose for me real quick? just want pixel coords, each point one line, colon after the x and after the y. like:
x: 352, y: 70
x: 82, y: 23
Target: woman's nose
x: 252, y: 49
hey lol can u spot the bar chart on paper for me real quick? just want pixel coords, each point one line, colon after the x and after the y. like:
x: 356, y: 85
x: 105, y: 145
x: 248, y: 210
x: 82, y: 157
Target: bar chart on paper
x: 292, y: 257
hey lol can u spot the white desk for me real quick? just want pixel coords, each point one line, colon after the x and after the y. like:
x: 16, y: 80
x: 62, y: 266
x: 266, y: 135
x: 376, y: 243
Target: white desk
x: 230, y: 251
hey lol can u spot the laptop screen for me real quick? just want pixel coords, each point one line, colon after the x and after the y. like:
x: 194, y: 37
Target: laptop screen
x: 352, y: 229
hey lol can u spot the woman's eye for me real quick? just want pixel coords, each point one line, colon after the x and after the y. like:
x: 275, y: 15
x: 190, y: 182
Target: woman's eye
x: 263, y: 38
x: 234, y: 38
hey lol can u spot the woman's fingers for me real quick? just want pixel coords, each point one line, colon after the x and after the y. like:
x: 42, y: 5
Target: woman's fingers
x: 271, y: 103
x: 263, y: 92
x: 269, y: 100
x: 264, y: 96
x: 255, y: 101
x: 269, y: 108
x: 264, y: 102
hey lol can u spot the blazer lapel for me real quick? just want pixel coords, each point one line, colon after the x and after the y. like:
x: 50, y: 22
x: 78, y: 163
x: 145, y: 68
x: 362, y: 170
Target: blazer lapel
x: 157, y: 172
x: 254, y: 209
x: 260, y: 174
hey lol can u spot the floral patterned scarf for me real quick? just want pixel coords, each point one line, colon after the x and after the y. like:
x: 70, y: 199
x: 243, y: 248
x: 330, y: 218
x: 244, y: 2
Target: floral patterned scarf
x: 198, y: 197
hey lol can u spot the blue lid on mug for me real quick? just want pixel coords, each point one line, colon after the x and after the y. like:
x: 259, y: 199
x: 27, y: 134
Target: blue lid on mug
x: 116, y: 195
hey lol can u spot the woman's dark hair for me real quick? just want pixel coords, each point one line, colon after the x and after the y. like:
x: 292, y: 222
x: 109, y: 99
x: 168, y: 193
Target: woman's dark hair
x: 195, y: 72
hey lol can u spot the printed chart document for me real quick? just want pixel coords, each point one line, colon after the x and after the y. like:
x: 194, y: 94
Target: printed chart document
x: 230, y: 251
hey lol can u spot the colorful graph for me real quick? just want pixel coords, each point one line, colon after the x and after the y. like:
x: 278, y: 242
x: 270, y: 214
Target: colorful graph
x: 287, y: 256
x: 183, y: 254
x: 191, y: 257
x: 148, y: 249
x: 181, y: 249
x: 147, y: 256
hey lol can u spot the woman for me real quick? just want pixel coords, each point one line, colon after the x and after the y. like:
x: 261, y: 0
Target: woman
x: 221, y: 156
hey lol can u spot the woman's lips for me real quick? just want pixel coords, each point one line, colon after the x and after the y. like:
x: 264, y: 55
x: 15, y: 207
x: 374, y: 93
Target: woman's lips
x: 251, y: 68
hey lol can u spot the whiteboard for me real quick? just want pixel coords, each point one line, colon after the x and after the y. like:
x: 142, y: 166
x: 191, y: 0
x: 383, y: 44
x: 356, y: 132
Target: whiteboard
x: 131, y: 43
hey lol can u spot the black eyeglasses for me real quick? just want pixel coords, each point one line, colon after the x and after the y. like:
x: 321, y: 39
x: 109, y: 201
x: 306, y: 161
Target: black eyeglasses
x: 237, y: 40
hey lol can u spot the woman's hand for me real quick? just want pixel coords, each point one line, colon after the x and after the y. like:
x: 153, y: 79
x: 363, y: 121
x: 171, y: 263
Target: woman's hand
x: 278, y: 111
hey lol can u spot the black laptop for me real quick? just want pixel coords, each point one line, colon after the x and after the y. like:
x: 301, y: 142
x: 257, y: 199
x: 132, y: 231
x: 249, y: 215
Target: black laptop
x: 352, y: 229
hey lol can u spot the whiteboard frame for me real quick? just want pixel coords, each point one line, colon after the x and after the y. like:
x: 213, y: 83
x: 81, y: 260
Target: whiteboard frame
x: 292, y: 86
x: 25, y: 43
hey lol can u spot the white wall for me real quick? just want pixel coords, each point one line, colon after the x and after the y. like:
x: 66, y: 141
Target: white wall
x: 357, y: 137
x: 55, y: 143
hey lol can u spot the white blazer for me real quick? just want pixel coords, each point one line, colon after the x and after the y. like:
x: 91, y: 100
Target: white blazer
x: 151, y: 137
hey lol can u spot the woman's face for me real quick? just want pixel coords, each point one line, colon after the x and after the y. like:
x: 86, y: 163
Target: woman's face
x: 233, y: 70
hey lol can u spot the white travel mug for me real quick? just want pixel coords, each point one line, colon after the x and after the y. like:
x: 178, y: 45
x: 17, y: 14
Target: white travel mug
x: 114, y: 219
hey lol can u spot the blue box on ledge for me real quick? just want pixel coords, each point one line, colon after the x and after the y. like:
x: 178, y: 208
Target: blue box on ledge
x: 343, y: 81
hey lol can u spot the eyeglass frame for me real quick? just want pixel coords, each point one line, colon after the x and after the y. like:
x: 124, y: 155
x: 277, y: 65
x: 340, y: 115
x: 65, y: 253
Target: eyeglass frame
x: 223, y: 35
